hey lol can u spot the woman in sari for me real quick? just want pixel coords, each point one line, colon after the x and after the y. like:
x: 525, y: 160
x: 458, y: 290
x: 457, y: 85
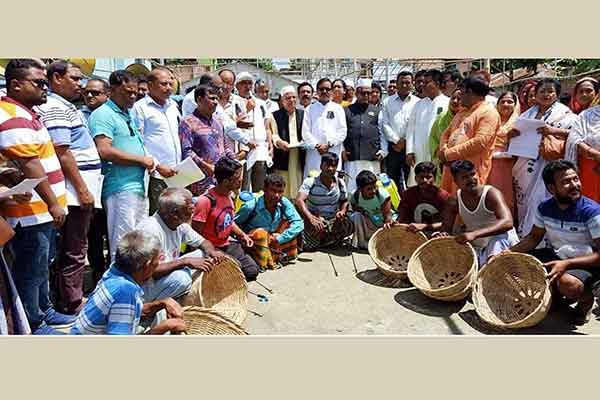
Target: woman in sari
x: 584, y: 93
x: 502, y: 163
x: 527, y: 95
x: 529, y: 186
x: 439, y: 126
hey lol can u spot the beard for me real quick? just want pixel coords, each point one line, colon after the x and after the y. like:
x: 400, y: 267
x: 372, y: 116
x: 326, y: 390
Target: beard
x: 567, y: 200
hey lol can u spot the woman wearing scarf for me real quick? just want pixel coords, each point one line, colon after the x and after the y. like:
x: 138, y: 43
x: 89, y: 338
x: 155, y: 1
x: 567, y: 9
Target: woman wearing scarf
x: 529, y: 186
x: 584, y: 93
x: 502, y: 163
x: 441, y: 123
x: 527, y: 95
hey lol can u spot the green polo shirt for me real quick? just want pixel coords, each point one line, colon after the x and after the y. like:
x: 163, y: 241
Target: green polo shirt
x: 114, y: 123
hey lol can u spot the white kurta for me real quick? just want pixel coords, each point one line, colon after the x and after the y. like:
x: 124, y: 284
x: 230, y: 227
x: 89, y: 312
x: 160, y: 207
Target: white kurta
x: 323, y: 124
x: 418, y: 128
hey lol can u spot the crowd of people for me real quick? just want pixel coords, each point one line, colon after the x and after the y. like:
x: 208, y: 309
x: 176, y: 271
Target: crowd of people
x: 309, y: 171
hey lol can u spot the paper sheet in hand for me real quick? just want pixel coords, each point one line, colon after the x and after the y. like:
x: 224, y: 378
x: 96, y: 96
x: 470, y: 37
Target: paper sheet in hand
x: 259, y: 153
x: 528, y: 142
x: 187, y: 173
x: 26, y: 186
x: 296, y: 146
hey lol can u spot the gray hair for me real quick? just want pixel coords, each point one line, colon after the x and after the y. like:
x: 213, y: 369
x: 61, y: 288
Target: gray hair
x: 135, y: 250
x: 173, y: 199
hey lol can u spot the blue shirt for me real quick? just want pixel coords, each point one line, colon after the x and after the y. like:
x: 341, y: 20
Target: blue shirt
x: 577, y: 225
x: 109, y: 120
x: 264, y: 219
x: 114, y: 308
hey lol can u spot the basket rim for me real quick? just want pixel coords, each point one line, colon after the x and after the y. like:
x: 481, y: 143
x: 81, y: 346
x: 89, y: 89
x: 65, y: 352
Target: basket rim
x: 384, y: 267
x: 477, y: 289
x: 472, y: 270
x: 215, y: 315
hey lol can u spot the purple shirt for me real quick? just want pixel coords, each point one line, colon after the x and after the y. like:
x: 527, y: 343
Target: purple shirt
x: 203, y: 139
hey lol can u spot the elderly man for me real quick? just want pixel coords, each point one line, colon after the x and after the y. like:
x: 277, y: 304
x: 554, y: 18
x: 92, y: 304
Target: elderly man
x: 170, y: 224
x: 116, y: 306
x: 125, y: 161
x: 288, y: 160
x: 323, y: 128
x: 421, y: 119
x: 365, y: 145
x: 157, y: 117
x: 571, y: 222
x: 81, y: 165
x: 393, y: 120
x: 350, y: 91
x: 95, y: 94
x: 25, y: 140
x: 273, y: 224
x: 305, y: 95
x: 323, y: 204
x: 254, y: 110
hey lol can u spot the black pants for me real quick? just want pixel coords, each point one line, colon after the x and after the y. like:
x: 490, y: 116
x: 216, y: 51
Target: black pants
x: 396, y: 167
x: 248, y: 265
x: 97, y: 242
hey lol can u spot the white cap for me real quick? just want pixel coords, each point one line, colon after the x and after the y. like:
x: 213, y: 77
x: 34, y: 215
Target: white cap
x: 245, y: 76
x: 364, y: 83
x: 349, y: 82
x: 287, y: 89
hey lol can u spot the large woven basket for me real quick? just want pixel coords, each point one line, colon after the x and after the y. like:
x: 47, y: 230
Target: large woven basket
x: 204, y: 321
x: 391, y: 249
x: 512, y: 291
x: 443, y: 269
x: 223, y: 289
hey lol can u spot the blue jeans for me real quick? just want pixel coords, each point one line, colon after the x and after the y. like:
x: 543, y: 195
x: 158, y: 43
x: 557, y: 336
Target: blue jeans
x: 32, y: 247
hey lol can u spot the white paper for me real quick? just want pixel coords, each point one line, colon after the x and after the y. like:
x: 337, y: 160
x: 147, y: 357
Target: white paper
x: 528, y: 142
x: 297, y: 145
x: 259, y: 153
x: 187, y: 173
x: 26, y: 186
x: 93, y: 180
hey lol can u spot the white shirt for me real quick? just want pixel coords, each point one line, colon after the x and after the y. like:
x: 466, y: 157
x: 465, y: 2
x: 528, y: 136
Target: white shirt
x: 272, y: 106
x: 491, y: 100
x: 394, y: 115
x: 159, y: 126
x: 189, y: 104
x: 424, y: 113
x: 170, y: 240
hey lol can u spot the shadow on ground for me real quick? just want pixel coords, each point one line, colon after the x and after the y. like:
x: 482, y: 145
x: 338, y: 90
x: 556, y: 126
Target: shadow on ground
x: 376, y: 278
x: 418, y: 302
x: 555, y: 323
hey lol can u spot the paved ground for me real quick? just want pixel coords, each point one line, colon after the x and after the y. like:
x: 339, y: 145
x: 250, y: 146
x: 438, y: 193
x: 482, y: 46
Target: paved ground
x: 352, y: 297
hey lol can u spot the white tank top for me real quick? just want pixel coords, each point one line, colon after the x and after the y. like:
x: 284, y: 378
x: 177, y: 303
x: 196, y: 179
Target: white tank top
x: 478, y: 218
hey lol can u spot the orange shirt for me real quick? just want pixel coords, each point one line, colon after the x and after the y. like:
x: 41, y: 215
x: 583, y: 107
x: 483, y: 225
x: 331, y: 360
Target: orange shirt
x: 471, y: 136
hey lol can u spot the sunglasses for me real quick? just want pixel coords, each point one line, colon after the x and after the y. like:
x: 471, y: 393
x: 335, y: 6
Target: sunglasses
x: 40, y: 83
x: 94, y: 93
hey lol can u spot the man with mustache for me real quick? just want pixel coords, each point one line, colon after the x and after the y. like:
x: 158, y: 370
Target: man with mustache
x: 305, y: 95
x: 571, y: 223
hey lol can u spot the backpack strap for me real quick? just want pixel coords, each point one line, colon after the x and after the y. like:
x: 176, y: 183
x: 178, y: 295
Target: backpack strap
x: 212, y: 199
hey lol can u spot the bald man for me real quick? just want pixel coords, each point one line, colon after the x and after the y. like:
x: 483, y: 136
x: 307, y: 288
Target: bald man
x: 157, y: 117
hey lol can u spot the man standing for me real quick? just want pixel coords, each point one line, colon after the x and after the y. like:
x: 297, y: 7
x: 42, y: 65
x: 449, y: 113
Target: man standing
x: 393, y: 120
x: 391, y: 88
x: 25, y: 140
x: 157, y: 117
x: 420, y: 83
x: 81, y: 166
x: 142, y: 87
x: 94, y: 95
x: 305, y: 95
x: 124, y: 160
x: 421, y: 119
x: 263, y: 90
x: 323, y: 128
x: 364, y: 146
x: 375, y: 97
x: 451, y: 80
x: 289, y: 161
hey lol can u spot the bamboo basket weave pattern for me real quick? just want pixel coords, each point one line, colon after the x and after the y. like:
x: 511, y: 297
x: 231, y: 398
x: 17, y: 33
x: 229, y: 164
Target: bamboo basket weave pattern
x: 203, y: 321
x: 391, y: 249
x: 223, y: 289
x: 512, y: 291
x: 443, y: 269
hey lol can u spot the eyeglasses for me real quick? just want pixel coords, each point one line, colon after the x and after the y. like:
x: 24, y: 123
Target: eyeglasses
x: 40, y: 83
x: 94, y: 93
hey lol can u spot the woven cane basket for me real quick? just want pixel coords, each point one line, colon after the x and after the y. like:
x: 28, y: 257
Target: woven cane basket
x: 391, y: 249
x: 511, y: 291
x: 204, y: 321
x: 443, y: 269
x: 223, y: 289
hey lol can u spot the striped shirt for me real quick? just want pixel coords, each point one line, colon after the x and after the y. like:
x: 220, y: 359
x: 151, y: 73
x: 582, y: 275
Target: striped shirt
x: 114, y: 308
x: 22, y: 135
x: 577, y: 225
x: 321, y: 200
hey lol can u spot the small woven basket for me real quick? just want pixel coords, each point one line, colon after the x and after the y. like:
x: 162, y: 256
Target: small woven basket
x: 443, y: 269
x: 511, y: 291
x: 391, y: 249
x: 204, y: 321
x: 223, y: 289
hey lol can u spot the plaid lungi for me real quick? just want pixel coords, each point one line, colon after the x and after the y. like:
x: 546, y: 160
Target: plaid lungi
x: 334, y: 233
x: 267, y: 252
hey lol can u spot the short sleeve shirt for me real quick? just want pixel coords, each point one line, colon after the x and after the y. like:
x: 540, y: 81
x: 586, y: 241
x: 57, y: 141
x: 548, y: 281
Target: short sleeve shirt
x: 218, y: 219
x: 417, y: 206
x: 321, y: 200
x: 371, y: 206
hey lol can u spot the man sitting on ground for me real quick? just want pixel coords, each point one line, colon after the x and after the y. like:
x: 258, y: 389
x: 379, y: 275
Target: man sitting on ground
x: 170, y: 224
x: 214, y: 216
x: 372, y: 208
x: 273, y: 224
x: 323, y: 204
x: 487, y: 219
x: 571, y: 223
x: 422, y: 205
x: 115, y: 307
